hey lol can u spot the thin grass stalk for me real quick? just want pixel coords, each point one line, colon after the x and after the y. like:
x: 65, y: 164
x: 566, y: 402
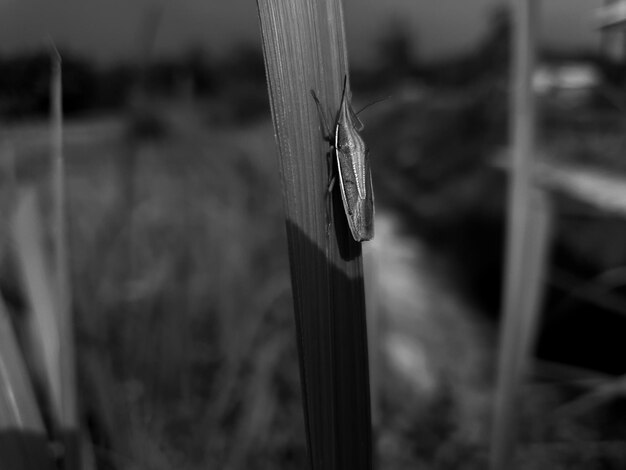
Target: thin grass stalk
x: 42, y: 321
x: 18, y: 406
x: 520, y: 334
x: 23, y: 438
x: 304, y: 48
x: 526, y: 238
x: 69, y: 408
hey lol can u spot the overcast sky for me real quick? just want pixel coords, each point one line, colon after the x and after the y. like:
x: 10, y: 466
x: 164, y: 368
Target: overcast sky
x: 108, y: 29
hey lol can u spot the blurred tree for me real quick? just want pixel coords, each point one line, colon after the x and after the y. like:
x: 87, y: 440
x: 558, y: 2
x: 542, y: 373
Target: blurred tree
x: 396, y: 53
x: 198, y: 65
x: 493, y: 53
x: 80, y: 84
x: 114, y: 85
x: 395, y: 46
x: 241, y: 83
x: 24, y: 85
x: 487, y: 61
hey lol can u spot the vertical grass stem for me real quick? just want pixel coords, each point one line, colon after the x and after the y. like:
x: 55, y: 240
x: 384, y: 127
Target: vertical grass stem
x: 68, y: 412
x: 304, y: 49
x: 527, y: 238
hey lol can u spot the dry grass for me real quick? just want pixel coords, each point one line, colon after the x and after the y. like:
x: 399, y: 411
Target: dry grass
x: 184, y: 315
x: 186, y: 344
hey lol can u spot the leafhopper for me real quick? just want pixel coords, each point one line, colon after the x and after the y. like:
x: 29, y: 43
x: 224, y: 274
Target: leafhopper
x: 352, y: 167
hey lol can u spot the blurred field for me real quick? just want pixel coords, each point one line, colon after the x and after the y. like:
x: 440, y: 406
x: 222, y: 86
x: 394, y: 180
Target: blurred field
x: 186, y: 342
x: 182, y: 296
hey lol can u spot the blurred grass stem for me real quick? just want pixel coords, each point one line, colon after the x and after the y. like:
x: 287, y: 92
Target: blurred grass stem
x: 68, y: 412
x: 527, y: 237
x: 23, y: 438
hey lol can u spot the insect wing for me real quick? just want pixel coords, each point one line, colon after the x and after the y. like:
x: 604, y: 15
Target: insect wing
x: 359, y: 210
x: 354, y: 175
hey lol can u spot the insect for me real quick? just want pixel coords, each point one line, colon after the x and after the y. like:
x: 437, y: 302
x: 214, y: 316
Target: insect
x: 353, y: 167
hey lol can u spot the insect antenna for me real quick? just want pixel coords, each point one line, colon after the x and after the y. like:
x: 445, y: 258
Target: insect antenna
x: 380, y: 100
x: 322, y: 118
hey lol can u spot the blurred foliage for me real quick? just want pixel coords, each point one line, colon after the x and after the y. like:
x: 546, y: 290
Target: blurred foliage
x: 237, y: 80
x: 24, y: 85
x: 187, y: 351
x: 89, y: 88
x: 185, y: 336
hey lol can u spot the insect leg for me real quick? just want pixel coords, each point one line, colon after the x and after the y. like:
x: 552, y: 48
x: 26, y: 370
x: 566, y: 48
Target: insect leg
x: 356, y: 122
x: 322, y: 118
x: 329, y: 161
x: 329, y: 191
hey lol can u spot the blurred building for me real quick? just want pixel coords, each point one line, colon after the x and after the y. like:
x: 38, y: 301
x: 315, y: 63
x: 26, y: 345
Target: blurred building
x: 571, y: 83
x: 612, y: 20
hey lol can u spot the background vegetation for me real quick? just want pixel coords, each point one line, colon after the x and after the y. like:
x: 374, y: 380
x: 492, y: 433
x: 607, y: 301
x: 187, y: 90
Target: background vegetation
x: 185, y: 335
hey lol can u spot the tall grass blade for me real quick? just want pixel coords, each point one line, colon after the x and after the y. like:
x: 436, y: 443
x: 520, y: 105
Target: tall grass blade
x: 42, y: 322
x: 304, y: 49
x: 527, y: 238
x: 68, y: 411
x: 23, y: 438
x: 18, y: 407
x: 519, y: 333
